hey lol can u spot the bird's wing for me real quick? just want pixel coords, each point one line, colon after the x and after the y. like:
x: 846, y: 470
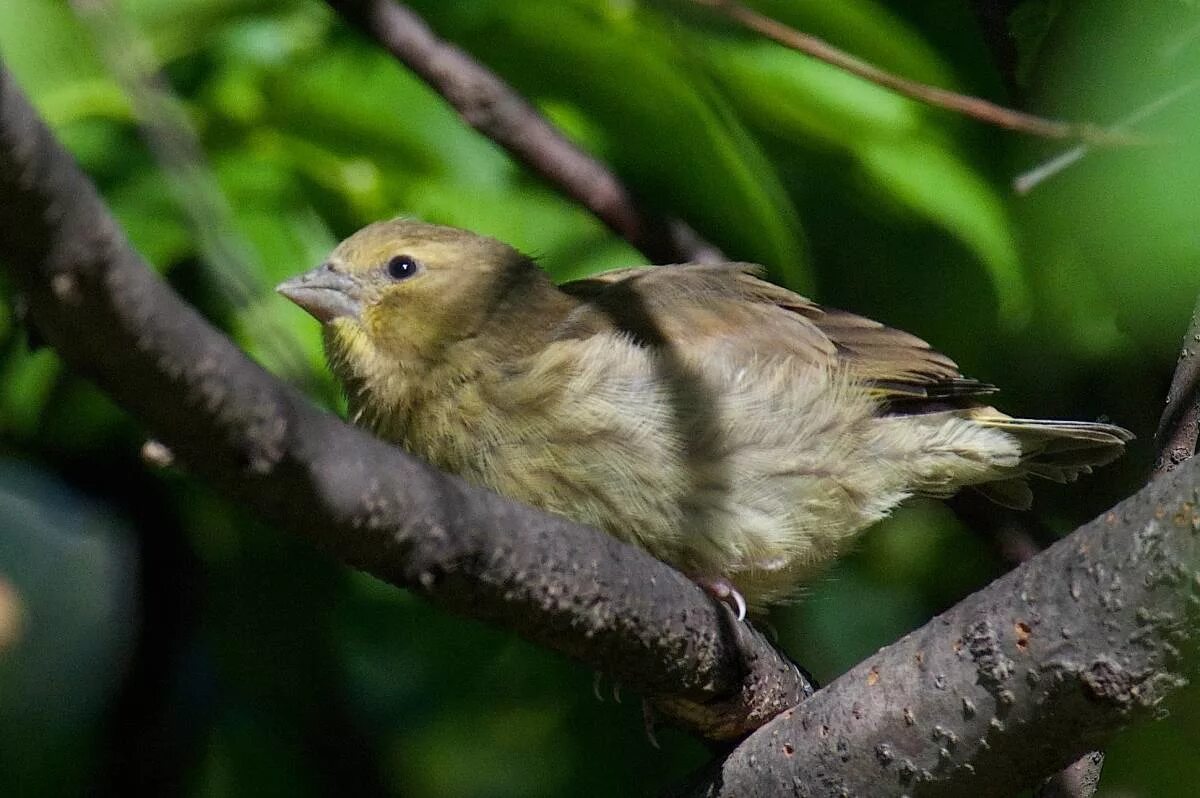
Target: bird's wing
x: 726, y: 307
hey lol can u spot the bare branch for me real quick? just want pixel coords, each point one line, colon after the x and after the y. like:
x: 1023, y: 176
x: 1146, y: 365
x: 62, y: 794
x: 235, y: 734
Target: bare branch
x: 559, y: 584
x: 973, y: 107
x: 1016, y: 681
x: 1180, y: 424
x: 496, y: 110
x: 1029, y: 180
x: 1080, y: 779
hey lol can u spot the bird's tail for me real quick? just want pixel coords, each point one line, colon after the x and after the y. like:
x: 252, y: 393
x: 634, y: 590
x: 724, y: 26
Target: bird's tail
x: 1056, y: 450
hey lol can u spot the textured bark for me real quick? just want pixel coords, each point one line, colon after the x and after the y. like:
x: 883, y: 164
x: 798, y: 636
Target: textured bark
x: 1013, y: 683
x: 1180, y: 424
x: 565, y: 586
x: 1080, y: 779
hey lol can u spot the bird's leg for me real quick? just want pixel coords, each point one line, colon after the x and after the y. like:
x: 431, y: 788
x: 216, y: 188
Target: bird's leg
x: 723, y: 590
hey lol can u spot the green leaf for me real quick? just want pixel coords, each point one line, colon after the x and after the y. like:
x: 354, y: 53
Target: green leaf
x: 933, y: 181
x: 663, y: 127
x: 903, y: 153
x: 389, y: 118
x: 26, y: 382
x: 45, y: 46
x: 1029, y: 24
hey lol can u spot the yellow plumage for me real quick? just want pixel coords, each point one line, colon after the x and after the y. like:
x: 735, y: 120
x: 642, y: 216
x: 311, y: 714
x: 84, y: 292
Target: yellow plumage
x: 726, y: 425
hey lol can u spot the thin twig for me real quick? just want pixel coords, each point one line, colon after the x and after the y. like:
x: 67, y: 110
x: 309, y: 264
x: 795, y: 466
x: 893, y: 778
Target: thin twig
x: 499, y: 112
x: 1011, y: 534
x: 973, y: 107
x: 1028, y: 181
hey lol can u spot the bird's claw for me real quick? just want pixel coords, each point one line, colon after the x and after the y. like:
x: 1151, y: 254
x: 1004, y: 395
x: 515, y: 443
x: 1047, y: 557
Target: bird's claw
x: 649, y: 721
x: 723, y: 590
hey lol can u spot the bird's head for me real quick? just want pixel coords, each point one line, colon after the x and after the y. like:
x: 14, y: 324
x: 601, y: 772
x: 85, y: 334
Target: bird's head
x: 398, y: 293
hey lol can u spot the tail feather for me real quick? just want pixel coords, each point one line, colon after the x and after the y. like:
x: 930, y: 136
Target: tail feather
x: 1059, y: 451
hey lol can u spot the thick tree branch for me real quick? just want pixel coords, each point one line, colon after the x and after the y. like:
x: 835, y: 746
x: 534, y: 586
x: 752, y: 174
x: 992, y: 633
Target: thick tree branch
x: 1080, y: 779
x: 559, y: 584
x: 1014, y: 682
x: 1180, y: 425
x: 496, y: 110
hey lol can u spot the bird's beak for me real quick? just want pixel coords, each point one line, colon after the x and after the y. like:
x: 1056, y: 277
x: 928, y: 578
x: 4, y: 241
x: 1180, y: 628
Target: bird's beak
x: 324, y: 292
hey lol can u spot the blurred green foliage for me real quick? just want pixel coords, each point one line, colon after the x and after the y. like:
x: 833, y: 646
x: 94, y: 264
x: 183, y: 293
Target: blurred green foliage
x: 229, y: 660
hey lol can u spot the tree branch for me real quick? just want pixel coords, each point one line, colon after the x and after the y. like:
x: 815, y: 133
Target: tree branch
x: 496, y: 110
x: 974, y: 107
x: 1180, y: 424
x: 1016, y: 681
x: 1080, y: 779
x: 556, y: 583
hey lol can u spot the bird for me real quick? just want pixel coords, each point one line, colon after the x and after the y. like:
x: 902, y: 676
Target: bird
x: 734, y: 429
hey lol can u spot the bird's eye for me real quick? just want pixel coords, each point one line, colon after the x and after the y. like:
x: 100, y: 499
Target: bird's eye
x: 402, y: 267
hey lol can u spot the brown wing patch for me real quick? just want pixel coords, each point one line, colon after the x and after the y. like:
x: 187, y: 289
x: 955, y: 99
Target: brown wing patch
x: 701, y: 304
x: 901, y: 365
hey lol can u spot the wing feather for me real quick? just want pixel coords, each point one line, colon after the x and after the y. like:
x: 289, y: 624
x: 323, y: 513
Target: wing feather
x: 709, y: 306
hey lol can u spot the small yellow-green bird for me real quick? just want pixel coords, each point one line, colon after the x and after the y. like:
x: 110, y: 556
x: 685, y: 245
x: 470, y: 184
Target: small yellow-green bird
x: 728, y: 426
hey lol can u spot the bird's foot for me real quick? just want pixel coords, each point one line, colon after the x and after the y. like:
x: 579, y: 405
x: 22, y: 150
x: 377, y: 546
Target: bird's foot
x: 723, y: 590
x: 598, y: 682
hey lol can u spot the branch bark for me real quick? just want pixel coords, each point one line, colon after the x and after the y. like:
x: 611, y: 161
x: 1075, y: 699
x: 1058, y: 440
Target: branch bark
x: 496, y: 110
x: 556, y: 583
x: 1016, y: 681
x: 1180, y: 425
